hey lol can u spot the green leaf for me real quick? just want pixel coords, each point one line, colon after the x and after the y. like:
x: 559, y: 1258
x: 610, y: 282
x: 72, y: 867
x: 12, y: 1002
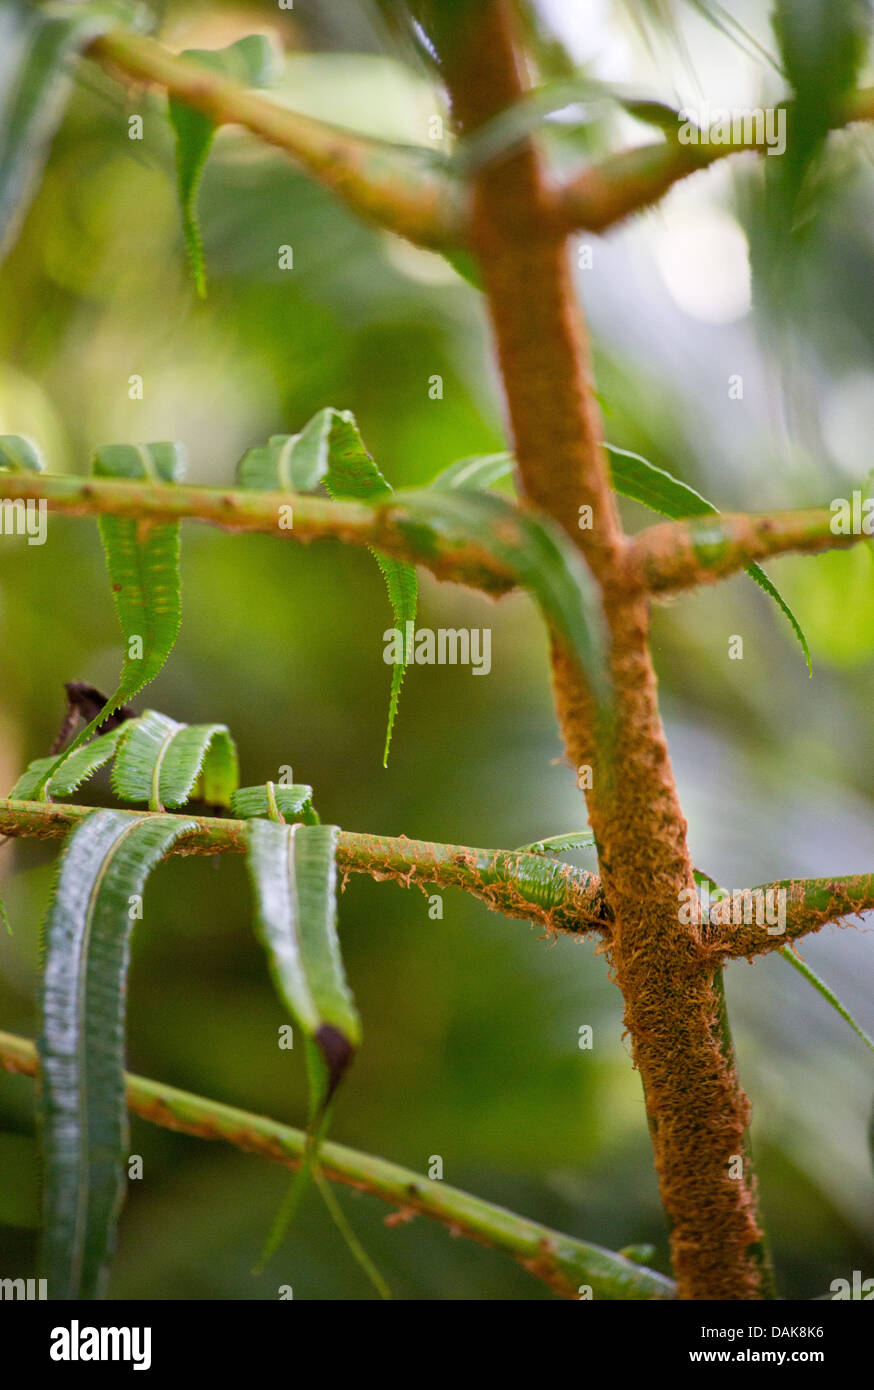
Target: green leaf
x: 538, y: 553
x: 638, y: 1254
x: 20, y: 455
x: 329, y: 450
x: 631, y: 476
x: 531, y: 114
x: 157, y: 760
x: 143, y: 563
x: 162, y: 762
x: 71, y: 772
x: 810, y: 975
x: 705, y: 881
x: 36, y: 47
x: 822, y: 46
x: 278, y: 803
x: 559, y: 844
x: 637, y: 478
x: 758, y: 574
x: 352, y: 473
x: 248, y: 62
x: 479, y: 471
x: 81, y: 1045
x: 294, y: 880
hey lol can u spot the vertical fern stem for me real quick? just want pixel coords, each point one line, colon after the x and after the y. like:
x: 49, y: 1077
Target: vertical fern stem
x: 697, y: 1110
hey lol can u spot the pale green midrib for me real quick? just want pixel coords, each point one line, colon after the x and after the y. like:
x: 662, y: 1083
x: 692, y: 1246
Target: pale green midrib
x: 272, y: 807
x: 340, y: 988
x: 294, y: 918
x: 145, y: 456
x: 212, y: 733
x: 477, y: 463
x: 155, y: 803
x: 143, y: 570
x: 283, y: 461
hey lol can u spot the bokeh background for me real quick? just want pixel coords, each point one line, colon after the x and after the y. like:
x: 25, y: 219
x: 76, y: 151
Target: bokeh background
x: 471, y: 1022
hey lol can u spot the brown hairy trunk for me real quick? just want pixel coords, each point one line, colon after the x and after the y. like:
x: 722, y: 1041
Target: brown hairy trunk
x: 697, y: 1111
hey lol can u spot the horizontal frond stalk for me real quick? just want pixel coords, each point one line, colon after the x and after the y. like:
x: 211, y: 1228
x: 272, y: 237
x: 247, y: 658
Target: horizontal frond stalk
x: 289, y: 516
x: 631, y: 180
x: 557, y: 897
x: 810, y: 903
x: 518, y: 884
x: 560, y: 1261
x: 682, y: 554
x: 384, y: 185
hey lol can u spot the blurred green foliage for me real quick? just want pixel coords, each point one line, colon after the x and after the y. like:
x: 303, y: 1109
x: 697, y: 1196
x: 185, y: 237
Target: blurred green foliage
x: 470, y: 1023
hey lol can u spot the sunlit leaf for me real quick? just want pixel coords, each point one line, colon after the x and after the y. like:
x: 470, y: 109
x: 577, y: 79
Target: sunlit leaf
x: 540, y: 556
x: 559, y: 844
x: 161, y: 762
x: 71, y: 772
x: 329, y: 450
x: 143, y: 562
x: 636, y: 477
x: 20, y: 455
x: 275, y: 802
